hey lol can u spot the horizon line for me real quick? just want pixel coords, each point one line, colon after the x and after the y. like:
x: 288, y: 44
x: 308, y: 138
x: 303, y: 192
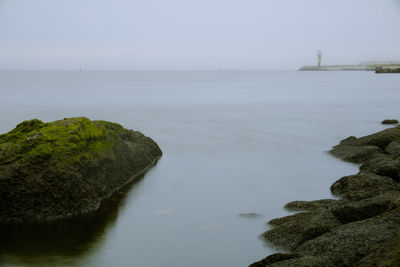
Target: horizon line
x: 150, y: 70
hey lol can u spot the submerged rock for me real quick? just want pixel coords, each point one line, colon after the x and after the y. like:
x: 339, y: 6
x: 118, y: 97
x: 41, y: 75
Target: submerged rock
x: 67, y: 167
x: 250, y: 215
x: 391, y: 121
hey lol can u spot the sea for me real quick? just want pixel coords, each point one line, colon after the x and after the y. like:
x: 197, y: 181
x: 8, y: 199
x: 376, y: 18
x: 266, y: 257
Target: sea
x: 233, y: 142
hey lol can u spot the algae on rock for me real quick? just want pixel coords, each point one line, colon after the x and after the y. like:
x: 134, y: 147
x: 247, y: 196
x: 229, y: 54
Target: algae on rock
x: 66, y: 167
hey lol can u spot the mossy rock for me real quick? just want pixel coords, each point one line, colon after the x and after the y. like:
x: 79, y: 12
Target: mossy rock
x: 66, y: 167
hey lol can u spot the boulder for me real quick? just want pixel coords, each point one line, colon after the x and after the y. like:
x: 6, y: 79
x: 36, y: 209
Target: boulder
x: 393, y: 149
x: 67, y: 167
x: 354, y: 153
x: 346, y: 244
x: 380, y: 139
x: 358, y: 150
x: 365, y: 208
x: 291, y: 231
x: 382, y: 165
x: 362, y: 185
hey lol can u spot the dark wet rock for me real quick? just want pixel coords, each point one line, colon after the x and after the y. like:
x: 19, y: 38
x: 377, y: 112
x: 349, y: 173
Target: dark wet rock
x: 395, y: 203
x: 383, y: 165
x: 360, y: 149
x: 380, y: 139
x: 348, y: 140
x: 393, y: 149
x: 305, y: 261
x: 356, y: 154
x: 390, y: 121
x: 291, y: 231
x: 387, y: 254
x: 347, y: 244
x: 293, y: 260
x: 66, y: 168
x: 313, y: 205
x: 362, y: 185
x: 365, y: 208
x: 273, y: 259
x: 362, y: 228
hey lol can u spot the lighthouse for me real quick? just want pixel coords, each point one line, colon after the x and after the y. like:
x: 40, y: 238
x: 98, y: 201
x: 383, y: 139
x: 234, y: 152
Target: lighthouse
x: 319, y: 54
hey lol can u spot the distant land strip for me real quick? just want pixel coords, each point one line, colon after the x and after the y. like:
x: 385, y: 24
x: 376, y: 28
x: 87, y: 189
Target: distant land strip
x: 379, y: 67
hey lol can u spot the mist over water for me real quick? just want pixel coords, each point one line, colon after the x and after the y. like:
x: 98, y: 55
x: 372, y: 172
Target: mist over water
x: 233, y: 142
x: 195, y: 35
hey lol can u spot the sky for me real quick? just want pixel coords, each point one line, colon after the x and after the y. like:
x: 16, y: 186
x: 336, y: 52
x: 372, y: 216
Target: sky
x: 195, y: 35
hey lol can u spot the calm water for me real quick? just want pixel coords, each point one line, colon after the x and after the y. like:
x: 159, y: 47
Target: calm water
x: 233, y: 142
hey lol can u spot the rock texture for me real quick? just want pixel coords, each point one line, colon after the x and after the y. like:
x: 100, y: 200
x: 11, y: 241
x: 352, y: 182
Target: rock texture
x: 390, y: 121
x: 362, y: 228
x: 67, y: 167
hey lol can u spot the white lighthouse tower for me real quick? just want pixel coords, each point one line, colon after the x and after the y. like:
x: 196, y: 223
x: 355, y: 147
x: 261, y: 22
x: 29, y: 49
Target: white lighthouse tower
x: 319, y: 54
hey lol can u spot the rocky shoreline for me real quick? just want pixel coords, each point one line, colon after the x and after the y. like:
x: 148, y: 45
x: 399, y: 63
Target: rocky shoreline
x: 67, y: 167
x: 387, y: 70
x: 361, y: 227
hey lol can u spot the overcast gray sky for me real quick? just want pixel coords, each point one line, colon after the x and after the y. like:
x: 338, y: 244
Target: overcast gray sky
x: 201, y: 34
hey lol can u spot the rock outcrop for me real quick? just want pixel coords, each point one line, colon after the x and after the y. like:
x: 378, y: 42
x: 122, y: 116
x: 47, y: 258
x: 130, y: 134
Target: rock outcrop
x: 67, y: 167
x: 390, y: 121
x: 362, y: 228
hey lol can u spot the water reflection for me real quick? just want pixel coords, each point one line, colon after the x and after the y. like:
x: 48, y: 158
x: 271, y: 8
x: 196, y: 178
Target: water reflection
x: 40, y: 243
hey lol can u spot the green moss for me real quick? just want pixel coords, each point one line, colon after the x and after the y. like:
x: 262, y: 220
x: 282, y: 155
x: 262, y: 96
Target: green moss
x: 64, y: 141
x: 20, y: 130
x: 67, y: 167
